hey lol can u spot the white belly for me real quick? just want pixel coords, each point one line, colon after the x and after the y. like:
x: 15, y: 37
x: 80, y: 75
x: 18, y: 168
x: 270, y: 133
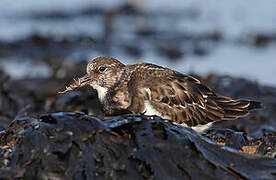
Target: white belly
x: 198, y: 128
x: 150, y: 111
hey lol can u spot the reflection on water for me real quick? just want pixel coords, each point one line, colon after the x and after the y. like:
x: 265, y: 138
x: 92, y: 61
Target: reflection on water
x: 226, y: 37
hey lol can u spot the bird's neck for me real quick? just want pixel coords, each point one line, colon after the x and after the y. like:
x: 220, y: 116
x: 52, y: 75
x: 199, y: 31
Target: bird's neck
x: 102, y: 91
x: 105, y: 93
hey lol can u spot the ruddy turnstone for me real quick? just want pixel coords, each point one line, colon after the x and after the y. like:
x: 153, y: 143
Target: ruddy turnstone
x: 149, y: 89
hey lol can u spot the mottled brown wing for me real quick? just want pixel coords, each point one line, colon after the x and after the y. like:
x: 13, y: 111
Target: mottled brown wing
x: 186, y: 100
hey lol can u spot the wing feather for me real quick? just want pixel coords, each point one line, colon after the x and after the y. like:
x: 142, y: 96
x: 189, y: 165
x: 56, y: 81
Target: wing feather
x: 185, y: 100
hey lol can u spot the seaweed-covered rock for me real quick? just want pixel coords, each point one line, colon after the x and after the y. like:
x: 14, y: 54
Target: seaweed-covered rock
x: 78, y: 146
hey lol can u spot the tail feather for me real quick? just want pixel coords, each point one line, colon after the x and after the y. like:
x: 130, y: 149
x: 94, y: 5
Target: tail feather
x: 235, y: 108
x: 254, y: 105
x: 234, y: 114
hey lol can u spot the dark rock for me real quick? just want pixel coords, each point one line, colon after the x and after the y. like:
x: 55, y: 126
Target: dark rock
x: 227, y: 137
x: 133, y: 50
x: 81, y: 101
x: 260, y: 40
x: 145, y: 32
x: 216, y: 36
x: 4, y: 122
x: 199, y: 50
x: 40, y: 40
x: 170, y: 50
x: 129, y: 9
x: 268, y: 145
x: 3, y: 78
x: 77, y: 146
x: 8, y: 106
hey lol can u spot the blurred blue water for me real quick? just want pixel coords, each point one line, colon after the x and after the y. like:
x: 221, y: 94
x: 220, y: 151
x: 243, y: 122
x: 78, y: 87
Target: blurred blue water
x: 235, y: 20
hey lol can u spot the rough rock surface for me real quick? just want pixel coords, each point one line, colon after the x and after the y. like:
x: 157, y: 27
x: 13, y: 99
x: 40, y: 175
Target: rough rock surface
x: 78, y: 146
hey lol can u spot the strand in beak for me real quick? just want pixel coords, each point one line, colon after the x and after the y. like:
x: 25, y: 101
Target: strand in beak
x: 83, y: 81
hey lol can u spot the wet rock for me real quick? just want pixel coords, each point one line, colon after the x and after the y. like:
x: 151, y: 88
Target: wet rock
x: 32, y: 97
x: 3, y: 78
x: 4, y: 122
x: 77, y: 146
x: 264, y: 146
x: 199, y: 50
x: 216, y: 36
x: 81, y: 101
x: 268, y: 145
x: 261, y: 40
x: 133, y: 50
x: 170, y: 50
x: 8, y: 106
x: 228, y: 138
x: 40, y: 40
x: 145, y: 32
x: 129, y: 9
x: 173, y: 53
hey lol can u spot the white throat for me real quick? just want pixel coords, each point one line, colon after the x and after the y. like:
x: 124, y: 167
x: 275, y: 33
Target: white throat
x: 101, y: 91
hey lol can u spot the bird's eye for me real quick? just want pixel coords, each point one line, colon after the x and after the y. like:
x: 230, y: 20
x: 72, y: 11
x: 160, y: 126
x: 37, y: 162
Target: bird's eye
x: 101, y: 68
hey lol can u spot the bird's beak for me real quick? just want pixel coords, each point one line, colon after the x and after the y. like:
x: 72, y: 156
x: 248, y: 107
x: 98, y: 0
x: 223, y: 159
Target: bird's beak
x: 86, y: 79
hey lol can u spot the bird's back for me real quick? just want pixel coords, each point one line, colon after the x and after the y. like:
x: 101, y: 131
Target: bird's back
x: 181, y: 98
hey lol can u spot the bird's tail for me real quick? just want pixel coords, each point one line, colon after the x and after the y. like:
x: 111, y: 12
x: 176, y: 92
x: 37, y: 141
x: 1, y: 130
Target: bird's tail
x: 235, y: 108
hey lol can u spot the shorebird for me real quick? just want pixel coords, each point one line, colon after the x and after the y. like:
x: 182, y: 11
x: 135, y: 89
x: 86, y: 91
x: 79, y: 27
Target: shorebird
x: 149, y: 89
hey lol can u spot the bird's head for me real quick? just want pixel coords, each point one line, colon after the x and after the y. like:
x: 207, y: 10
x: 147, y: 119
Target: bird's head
x: 102, y: 72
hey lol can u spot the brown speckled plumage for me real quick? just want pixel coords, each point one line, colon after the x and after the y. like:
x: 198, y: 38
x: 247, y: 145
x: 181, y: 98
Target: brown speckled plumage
x: 141, y: 87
